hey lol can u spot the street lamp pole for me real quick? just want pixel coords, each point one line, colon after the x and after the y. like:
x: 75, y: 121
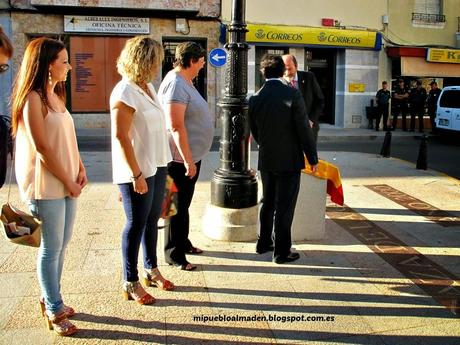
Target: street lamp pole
x: 233, y: 212
x: 234, y: 184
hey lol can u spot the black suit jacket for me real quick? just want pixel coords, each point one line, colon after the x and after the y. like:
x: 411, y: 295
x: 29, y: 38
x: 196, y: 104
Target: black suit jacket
x: 279, y: 124
x: 312, y: 94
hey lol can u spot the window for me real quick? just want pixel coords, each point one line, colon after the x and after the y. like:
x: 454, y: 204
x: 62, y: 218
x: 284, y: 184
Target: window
x: 428, y: 11
x: 450, y: 99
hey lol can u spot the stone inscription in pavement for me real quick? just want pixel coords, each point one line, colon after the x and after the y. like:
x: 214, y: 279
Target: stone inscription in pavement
x: 418, y: 206
x: 437, y: 282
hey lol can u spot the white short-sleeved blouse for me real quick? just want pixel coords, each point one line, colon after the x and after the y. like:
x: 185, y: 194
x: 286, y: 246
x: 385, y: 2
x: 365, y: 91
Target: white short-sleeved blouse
x: 147, y: 133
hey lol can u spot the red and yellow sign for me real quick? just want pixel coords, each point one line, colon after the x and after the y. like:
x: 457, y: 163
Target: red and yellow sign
x: 312, y: 36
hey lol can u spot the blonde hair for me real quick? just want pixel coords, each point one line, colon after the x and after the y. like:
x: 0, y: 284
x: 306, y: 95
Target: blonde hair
x: 140, y: 59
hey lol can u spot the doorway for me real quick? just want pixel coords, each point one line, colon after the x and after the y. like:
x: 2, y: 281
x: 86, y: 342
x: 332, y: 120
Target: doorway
x: 322, y: 61
x: 169, y: 45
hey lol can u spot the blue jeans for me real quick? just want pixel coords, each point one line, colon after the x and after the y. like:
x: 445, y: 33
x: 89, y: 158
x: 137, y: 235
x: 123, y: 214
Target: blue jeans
x: 142, y: 213
x: 57, y: 216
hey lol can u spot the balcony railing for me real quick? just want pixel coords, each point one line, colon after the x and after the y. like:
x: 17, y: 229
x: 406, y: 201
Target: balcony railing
x: 429, y: 17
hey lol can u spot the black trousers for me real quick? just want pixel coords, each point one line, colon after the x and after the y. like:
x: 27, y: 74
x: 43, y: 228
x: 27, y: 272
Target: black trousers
x: 315, y: 130
x: 176, y: 234
x: 382, y: 110
x: 432, y: 114
x: 399, y: 108
x: 280, y: 191
x: 418, y: 111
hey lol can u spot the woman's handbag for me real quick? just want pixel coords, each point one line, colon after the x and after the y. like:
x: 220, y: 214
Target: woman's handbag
x: 19, y: 227
x: 169, y: 206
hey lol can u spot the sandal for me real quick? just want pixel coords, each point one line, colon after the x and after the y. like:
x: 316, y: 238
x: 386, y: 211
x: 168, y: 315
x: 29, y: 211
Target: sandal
x: 67, y: 309
x: 186, y: 267
x: 194, y: 250
x: 135, y: 291
x: 60, y: 324
x: 153, y: 277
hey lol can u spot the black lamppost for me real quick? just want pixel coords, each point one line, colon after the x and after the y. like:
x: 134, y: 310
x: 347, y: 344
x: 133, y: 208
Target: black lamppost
x: 234, y: 184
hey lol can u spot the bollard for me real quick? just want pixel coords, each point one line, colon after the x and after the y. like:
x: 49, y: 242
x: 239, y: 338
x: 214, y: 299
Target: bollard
x: 422, y: 163
x: 385, y: 151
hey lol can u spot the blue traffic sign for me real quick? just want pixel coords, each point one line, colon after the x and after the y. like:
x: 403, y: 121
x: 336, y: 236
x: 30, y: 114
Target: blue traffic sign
x: 217, y: 57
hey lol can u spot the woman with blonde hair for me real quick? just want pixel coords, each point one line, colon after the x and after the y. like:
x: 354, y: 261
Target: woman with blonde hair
x: 140, y: 154
x: 49, y: 170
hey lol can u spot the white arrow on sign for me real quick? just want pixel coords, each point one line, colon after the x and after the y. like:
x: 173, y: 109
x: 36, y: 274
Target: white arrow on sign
x: 216, y: 57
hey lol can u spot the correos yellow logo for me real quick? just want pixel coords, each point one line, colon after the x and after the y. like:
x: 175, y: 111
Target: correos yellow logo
x: 322, y: 37
x: 260, y: 34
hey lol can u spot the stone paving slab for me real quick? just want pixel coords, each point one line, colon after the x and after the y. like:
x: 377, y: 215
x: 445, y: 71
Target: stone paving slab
x: 370, y: 301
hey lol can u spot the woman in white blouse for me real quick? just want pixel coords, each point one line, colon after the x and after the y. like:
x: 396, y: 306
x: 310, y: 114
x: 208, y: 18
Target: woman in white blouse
x: 140, y: 154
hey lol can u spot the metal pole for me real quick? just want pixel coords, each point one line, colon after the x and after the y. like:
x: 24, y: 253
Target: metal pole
x: 234, y: 184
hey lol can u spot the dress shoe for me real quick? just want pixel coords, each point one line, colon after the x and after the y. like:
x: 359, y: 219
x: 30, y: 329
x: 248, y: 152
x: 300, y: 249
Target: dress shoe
x: 288, y: 258
x: 261, y: 250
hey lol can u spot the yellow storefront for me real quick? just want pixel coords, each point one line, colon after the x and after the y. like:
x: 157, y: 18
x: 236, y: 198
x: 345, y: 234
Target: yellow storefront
x: 339, y: 59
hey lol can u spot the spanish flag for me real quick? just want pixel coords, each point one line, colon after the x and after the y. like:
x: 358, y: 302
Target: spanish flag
x: 331, y: 173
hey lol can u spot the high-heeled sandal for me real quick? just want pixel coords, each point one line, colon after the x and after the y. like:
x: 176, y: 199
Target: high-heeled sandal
x: 60, y: 324
x: 135, y: 291
x: 67, y: 309
x: 153, y: 277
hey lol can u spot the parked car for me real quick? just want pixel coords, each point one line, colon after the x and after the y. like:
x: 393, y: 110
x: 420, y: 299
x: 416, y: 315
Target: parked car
x: 448, y: 112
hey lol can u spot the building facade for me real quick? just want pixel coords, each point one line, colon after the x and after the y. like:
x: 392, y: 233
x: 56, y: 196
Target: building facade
x: 351, y: 46
x: 423, y: 41
x: 95, y: 32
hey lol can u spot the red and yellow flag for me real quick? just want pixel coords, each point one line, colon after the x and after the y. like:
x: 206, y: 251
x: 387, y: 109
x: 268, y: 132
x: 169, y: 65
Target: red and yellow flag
x: 331, y: 173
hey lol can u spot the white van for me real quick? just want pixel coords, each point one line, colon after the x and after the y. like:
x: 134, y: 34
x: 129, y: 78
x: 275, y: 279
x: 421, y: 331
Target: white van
x: 448, y: 112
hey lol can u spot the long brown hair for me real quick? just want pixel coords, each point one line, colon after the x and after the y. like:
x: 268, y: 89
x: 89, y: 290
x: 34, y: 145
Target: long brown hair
x: 33, y: 76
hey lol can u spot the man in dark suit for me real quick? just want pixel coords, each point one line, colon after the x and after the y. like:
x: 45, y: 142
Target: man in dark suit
x: 309, y: 88
x: 280, y: 125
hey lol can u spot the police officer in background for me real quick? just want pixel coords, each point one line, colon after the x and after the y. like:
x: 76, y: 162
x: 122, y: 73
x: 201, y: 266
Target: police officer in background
x: 432, y: 103
x: 400, y: 104
x: 417, y: 100
x: 383, y: 101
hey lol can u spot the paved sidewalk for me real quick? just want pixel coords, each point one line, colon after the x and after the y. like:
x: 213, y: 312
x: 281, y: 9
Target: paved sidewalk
x: 384, y: 273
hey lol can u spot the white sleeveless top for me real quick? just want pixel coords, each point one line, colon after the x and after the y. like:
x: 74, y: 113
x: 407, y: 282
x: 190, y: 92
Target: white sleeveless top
x: 35, y: 181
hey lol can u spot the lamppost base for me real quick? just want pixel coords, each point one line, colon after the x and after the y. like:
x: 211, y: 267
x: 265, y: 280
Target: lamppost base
x: 234, y: 190
x: 230, y: 224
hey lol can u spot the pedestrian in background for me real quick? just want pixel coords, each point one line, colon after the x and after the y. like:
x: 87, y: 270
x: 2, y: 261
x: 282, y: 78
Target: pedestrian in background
x: 383, y: 101
x: 308, y: 86
x: 191, y: 131
x: 432, y: 103
x: 6, y: 52
x: 140, y: 154
x: 399, y: 104
x: 49, y: 171
x: 417, y: 100
x: 278, y: 111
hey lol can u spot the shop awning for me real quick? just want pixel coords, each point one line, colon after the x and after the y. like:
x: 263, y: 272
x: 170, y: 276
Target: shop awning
x: 419, y: 67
